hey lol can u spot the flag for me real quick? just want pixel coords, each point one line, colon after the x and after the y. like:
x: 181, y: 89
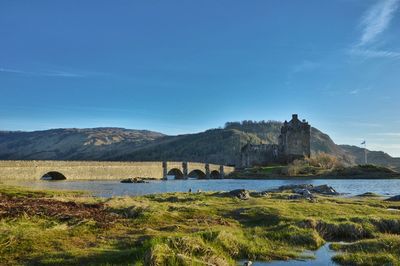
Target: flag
x: 363, y: 143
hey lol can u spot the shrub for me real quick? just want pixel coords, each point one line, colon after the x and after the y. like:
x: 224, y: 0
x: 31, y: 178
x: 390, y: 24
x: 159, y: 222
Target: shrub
x: 296, y: 167
x: 324, y: 160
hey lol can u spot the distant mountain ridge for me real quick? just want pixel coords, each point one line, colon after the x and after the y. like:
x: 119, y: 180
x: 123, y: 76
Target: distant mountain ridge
x: 72, y: 143
x: 220, y: 146
x: 374, y: 157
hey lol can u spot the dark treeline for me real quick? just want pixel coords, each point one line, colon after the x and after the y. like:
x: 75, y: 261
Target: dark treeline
x: 251, y: 124
x: 266, y: 131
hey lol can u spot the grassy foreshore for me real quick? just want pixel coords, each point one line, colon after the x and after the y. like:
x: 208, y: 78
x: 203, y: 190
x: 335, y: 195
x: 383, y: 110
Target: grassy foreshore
x: 303, y: 171
x: 319, y: 165
x: 52, y: 228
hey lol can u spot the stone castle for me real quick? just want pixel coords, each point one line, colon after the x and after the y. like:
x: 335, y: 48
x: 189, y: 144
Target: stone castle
x: 294, y: 143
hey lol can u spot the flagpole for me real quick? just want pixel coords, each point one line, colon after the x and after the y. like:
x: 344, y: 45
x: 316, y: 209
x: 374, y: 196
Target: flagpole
x: 365, y: 152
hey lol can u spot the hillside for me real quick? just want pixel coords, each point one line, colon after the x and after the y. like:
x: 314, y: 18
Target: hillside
x: 221, y: 146
x: 374, y: 157
x: 73, y: 144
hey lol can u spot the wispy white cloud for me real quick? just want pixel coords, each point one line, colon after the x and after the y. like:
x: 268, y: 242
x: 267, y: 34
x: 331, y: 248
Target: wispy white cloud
x: 369, y: 53
x: 332, y: 91
x: 360, y: 90
x: 45, y: 73
x: 63, y: 74
x: 356, y: 91
x: 374, y: 22
x: 49, y: 73
x: 362, y: 124
x: 384, y: 146
x: 377, y: 19
x: 301, y: 67
x: 12, y: 71
x: 387, y: 134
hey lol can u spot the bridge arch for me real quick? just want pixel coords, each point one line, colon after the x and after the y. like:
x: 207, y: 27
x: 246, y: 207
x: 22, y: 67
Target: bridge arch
x: 215, y: 174
x: 196, y: 173
x: 53, y: 175
x: 177, y: 173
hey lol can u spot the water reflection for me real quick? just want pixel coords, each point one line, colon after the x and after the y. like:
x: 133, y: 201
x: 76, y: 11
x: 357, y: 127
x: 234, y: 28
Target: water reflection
x: 323, y: 256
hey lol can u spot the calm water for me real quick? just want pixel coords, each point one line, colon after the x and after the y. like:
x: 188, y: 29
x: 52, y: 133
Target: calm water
x: 322, y: 256
x: 386, y: 187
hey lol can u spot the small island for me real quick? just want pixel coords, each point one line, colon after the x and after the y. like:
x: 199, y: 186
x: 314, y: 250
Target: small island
x: 292, y: 158
x: 305, y: 169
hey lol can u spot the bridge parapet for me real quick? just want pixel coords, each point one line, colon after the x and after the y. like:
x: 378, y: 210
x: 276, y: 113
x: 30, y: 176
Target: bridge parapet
x: 92, y: 170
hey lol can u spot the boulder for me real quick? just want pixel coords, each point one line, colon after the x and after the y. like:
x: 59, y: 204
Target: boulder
x: 127, y: 180
x: 304, y: 192
x: 369, y: 194
x: 259, y: 194
x: 324, y: 189
x: 242, y: 194
x: 295, y: 196
x: 299, y: 196
x: 394, y: 198
x: 133, y: 180
x: 293, y: 187
x: 307, y: 188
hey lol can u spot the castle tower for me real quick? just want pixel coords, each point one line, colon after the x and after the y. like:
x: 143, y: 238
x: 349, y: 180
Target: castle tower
x: 294, y: 141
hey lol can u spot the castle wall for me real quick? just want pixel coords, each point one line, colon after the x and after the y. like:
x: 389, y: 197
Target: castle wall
x: 295, y: 139
x: 258, y: 155
x: 294, y: 143
x: 298, y: 143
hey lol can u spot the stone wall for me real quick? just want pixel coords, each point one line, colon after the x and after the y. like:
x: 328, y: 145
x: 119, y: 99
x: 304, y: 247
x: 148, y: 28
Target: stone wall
x: 86, y: 170
x: 259, y: 155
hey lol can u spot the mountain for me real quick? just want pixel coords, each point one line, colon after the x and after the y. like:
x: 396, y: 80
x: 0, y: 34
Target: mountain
x: 215, y: 146
x: 73, y: 144
x: 374, y: 157
x: 220, y: 146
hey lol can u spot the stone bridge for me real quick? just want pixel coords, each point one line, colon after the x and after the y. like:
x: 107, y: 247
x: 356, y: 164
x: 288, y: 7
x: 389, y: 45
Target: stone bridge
x: 90, y: 170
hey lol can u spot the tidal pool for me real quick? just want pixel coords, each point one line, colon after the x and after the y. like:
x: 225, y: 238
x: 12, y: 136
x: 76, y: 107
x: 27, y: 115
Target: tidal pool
x: 323, y: 257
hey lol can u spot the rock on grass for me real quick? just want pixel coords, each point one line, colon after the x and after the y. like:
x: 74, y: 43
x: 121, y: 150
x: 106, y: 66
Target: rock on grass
x: 242, y: 194
x: 395, y: 198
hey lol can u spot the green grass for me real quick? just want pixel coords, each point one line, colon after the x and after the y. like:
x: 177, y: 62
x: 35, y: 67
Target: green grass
x: 307, y: 171
x: 384, y: 250
x: 203, y: 229
x: 271, y: 169
x: 17, y: 191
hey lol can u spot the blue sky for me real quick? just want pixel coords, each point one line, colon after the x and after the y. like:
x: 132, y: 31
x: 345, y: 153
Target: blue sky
x: 186, y: 66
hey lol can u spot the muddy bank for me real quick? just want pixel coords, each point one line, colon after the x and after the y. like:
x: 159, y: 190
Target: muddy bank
x: 71, y: 212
